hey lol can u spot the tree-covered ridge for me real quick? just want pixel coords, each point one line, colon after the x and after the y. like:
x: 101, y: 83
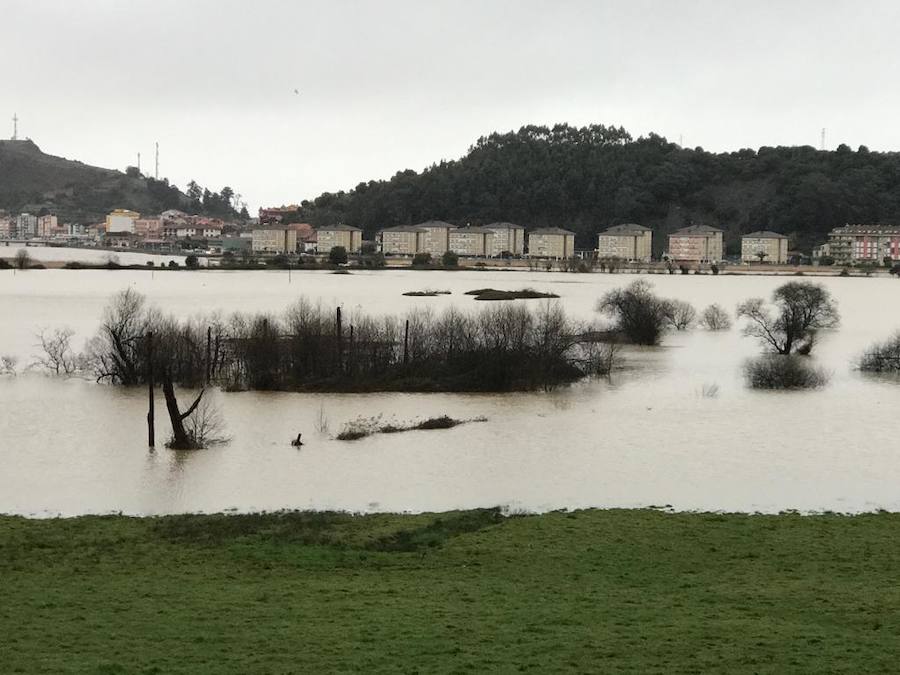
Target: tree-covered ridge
x: 33, y: 181
x: 589, y: 178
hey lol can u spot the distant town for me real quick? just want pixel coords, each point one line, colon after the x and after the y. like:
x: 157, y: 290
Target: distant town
x: 273, y: 234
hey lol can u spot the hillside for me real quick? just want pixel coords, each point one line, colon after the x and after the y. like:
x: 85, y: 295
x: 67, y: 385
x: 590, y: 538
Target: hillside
x: 587, y: 179
x: 33, y: 181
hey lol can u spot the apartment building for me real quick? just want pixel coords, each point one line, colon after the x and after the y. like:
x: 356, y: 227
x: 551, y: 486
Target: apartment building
x: 697, y: 243
x: 331, y: 236
x: 472, y: 241
x: 551, y: 242
x: 403, y: 240
x: 764, y: 246
x: 274, y: 239
x: 508, y: 238
x: 629, y: 241
x: 121, y: 220
x: 436, y: 240
x: 864, y: 243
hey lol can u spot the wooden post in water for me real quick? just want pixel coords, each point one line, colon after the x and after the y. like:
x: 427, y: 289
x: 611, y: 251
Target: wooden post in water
x: 208, y: 352
x: 340, y: 341
x: 350, y: 352
x: 406, y: 344
x: 151, y: 433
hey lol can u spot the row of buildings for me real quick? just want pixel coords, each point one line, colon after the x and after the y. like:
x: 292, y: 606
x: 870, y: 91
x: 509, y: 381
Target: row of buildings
x: 697, y: 243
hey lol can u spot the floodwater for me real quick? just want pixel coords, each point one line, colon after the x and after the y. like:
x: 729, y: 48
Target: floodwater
x: 47, y: 254
x: 676, y: 427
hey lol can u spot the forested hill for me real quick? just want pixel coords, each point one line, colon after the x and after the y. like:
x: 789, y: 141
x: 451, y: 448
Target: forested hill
x: 35, y: 182
x: 587, y: 179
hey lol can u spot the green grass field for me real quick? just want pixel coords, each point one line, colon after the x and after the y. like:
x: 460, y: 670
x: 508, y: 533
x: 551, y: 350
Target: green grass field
x: 591, y: 591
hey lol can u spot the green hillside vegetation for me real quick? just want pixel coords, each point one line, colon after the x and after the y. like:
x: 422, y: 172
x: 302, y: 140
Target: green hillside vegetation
x: 589, y: 591
x: 587, y: 179
x: 33, y: 181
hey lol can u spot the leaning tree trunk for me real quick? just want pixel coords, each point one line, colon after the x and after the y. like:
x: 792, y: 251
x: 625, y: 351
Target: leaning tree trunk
x: 181, y: 439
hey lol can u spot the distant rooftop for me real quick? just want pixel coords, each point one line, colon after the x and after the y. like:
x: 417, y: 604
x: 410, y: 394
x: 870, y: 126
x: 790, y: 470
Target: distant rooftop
x: 474, y: 229
x: 552, y: 230
x: 866, y: 229
x: 696, y: 231
x: 626, y: 228
x: 436, y: 223
x: 505, y: 226
x: 340, y: 227
x: 764, y: 234
x: 404, y: 228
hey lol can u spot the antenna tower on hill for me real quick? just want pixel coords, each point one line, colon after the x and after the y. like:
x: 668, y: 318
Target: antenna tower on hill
x: 822, y: 147
x: 15, y: 135
x: 156, y: 172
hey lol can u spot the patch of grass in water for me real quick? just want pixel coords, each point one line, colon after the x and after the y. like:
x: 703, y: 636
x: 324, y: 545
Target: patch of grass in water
x: 523, y: 294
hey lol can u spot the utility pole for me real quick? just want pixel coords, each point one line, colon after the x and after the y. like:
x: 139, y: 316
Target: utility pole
x: 156, y: 172
x: 15, y: 135
x: 139, y: 162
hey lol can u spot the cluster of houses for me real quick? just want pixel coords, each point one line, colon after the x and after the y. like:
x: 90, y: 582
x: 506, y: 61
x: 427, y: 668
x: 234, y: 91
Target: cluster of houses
x: 268, y: 234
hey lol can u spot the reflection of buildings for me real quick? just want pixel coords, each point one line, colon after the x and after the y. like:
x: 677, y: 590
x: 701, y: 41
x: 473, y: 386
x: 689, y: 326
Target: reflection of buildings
x: 631, y: 242
x: 863, y: 243
x: 697, y: 243
x: 764, y: 246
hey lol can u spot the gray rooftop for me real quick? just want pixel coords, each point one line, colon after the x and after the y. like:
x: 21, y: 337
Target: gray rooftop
x: 552, y: 230
x: 340, y: 227
x: 764, y: 234
x: 696, y: 231
x: 626, y: 228
x: 404, y: 228
x: 505, y: 226
x: 436, y: 223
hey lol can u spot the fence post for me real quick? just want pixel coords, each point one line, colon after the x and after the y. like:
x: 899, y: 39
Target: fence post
x: 340, y: 341
x: 151, y: 434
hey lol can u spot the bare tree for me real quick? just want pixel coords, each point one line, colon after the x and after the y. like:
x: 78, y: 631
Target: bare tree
x: 116, y: 354
x: 715, y: 318
x: 802, y: 308
x: 680, y: 314
x: 198, y: 427
x: 883, y: 357
x: 22, y: 261
x: 56, y: 354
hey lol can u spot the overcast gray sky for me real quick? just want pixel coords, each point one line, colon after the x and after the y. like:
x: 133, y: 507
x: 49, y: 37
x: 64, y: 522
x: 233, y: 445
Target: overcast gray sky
x: 393, y: 84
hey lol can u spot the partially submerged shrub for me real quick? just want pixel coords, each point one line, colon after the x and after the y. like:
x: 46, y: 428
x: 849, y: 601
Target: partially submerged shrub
x: 368, y: 426
x: 883, y: 357
x: 680, y: 314
x: 638, y: 313
x: 715, y: 318
x: 774, y: 371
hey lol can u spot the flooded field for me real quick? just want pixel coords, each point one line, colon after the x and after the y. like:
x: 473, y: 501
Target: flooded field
x: 676, y: 426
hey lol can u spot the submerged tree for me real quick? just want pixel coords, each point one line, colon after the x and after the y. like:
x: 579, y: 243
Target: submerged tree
x: 715, y: 318
x: 639, y: 314
x: 801, y: 309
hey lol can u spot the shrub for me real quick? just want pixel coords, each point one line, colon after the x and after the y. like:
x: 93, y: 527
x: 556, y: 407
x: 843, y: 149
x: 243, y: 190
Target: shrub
x: 173, y: 264
x: 4, y: 264
x: 192, y: 262
x: 450, y: 259
x: 337, y: 255
x: 421, y: 259
x: 22, y: 260
x: 638, y: 313
x: 783, y: 372
x: 715, y: 318
x: 883, y: 357
x: 680, y: 314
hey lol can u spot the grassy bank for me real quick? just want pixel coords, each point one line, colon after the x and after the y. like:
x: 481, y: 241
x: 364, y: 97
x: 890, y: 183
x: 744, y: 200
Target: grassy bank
x: 598, y: 591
